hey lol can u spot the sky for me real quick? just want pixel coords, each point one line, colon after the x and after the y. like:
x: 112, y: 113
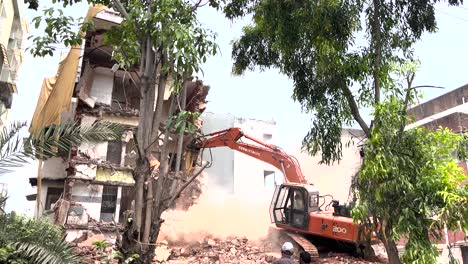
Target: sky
x: 258, y: 95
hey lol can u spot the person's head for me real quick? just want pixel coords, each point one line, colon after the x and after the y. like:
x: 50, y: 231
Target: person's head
x: 287, y: 249
x: 305, y: 258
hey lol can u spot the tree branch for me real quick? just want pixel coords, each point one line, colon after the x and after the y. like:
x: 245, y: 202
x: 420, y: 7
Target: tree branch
x: 428, y: 86
x: 377, y: 46
x: 355, y: 110
x: 187, y: 183
x: 120, y: 8
x: 198, y: 4
x: 156, y: 120
x: 180, y: 140
x: 409, y: 82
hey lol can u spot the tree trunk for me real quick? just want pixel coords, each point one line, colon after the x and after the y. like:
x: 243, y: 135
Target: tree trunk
x: 392, y: 252
x: 389, y: 243
x: 132, y: 233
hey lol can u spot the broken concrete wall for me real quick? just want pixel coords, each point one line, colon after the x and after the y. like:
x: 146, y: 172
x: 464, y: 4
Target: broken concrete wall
x: 86, y: 202
x: 85, y: 172
x: 102, y: 85
x: 93, y: 150
x: 90, y: 196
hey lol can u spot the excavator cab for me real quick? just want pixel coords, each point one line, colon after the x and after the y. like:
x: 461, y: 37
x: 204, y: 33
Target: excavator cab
x: 292, y: 203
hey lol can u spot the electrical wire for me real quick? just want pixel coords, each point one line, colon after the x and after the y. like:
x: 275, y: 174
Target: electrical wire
x: 450, y: 15
x: 324, y: 200
x: 462, y: 7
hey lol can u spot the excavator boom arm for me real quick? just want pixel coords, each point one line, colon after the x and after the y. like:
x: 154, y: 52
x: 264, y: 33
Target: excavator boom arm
x: 265, y: 152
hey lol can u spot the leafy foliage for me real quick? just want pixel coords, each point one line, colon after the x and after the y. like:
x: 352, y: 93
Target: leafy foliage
x: 173, y: 29
x: 417, y: 171
x: 25, y: 240
x: 59, y: 29
x: 183, y: 122
x: 313, y: 42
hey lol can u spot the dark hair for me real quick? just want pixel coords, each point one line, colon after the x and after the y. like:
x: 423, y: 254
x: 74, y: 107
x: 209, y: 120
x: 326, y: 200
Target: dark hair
x: 305, y: 257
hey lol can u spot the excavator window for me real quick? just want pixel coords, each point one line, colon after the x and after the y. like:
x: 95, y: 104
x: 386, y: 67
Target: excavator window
x: 290, y: 206
x: 314, y: 200
x: 278, y: 204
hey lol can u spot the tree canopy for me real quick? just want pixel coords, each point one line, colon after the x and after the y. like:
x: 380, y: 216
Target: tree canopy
x: 318, y: 45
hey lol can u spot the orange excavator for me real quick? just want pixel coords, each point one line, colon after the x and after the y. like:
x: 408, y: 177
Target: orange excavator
x: 297, y: 206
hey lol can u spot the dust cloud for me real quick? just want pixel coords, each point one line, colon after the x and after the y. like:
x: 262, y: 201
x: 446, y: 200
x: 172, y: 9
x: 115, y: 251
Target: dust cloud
x: 218, y: 214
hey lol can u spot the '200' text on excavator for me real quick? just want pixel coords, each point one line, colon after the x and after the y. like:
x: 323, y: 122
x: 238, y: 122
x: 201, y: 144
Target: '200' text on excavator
x: 296, y: 206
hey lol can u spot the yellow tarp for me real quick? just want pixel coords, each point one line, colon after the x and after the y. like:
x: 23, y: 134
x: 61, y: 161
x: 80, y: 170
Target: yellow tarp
x: 56, y: 91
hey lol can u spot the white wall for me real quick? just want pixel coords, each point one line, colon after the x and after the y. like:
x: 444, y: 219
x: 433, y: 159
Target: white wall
x: 102, y: 85
x: 221, y: 172
x: 334, y: 179
x: 90, y: 196
x: 248, y: 171
x: 233, y: 171
x: 6, y: 22
x: 54, y: 168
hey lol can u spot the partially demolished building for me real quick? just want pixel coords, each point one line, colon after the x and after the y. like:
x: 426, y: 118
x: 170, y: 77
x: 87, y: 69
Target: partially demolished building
x: 92, y: 185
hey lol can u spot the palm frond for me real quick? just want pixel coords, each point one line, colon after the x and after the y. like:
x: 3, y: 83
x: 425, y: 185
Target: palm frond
x: 11, y: 147
x: 50, y: 141
x: 57, y: 253
x: 57, y: 139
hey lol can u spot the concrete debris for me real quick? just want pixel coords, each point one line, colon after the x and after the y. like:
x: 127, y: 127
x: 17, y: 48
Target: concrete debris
x: 211, y: 242
x: 91, y: 239
x: 234, y: 250
x: 210, y: 251
x: 162, y: 253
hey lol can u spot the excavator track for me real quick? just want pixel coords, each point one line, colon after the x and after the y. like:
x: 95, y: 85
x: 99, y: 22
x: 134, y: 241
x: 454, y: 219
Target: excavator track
x: 305, y: 244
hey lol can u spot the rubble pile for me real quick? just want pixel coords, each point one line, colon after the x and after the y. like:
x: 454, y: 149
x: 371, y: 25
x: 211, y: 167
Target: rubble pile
x: 207, y: 250
x: 234, y: 250
x: 213, y: 250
